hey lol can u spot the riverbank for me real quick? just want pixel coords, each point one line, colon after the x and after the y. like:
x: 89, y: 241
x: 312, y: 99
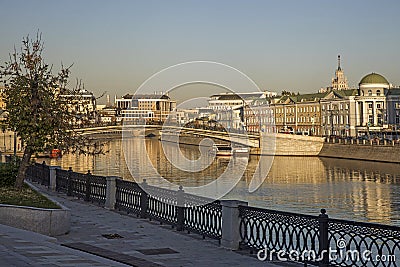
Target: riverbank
x: 377, y: 153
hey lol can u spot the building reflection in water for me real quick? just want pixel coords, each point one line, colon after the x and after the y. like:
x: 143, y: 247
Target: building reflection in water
x: 348, y: 189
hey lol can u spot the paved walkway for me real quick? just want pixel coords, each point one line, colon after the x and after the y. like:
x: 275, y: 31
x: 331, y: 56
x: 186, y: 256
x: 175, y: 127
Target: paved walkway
x: 135, y: 241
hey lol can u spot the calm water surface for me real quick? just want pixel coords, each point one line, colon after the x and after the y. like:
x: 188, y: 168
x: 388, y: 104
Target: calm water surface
x: 348, y: 189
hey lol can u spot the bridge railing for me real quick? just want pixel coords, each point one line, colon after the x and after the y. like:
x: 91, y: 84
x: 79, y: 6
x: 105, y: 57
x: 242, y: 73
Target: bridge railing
x: 316, y: 240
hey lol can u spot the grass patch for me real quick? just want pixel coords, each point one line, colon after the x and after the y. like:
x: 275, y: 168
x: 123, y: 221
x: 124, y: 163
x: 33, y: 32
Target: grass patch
x: 26, y: 197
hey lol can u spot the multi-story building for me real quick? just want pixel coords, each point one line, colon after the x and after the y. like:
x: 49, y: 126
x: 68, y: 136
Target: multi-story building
x: 371, y: 111
x: 228, y: 101
x: 338, y: 113
x: 229, y: 108
x: 299, y: 113
x: 83, y: 104
x: 259, y: 117
x: 156, y: 108
x: 393, y: 109
x: 339, y: 82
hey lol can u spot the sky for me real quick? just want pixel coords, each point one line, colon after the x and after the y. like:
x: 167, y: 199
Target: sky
x: 117, y: 45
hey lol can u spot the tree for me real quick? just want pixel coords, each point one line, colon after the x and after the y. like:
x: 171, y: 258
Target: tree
x: 37, y: 110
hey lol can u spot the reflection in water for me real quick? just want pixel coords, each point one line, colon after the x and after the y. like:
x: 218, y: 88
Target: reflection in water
x: 348, y: 189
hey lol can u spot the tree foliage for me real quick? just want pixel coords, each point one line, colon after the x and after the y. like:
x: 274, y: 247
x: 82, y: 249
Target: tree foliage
x: 38, y: 109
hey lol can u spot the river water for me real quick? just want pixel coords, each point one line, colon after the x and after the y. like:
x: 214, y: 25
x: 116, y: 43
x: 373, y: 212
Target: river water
x: 347, y: 189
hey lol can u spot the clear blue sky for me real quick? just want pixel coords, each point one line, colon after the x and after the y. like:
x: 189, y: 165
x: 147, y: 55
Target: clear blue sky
x: 281, y: 44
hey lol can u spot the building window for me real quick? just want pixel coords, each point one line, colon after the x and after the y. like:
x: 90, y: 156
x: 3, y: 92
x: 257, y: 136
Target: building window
x: 379, y: 105
x: 379, y: 117
x: 370, y: 92
x: 370, y: 105
x: 378, y: 92
x: 371, y: 119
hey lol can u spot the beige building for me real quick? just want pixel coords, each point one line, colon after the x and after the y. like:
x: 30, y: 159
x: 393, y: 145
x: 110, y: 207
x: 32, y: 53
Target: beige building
x: 155, y: 108
x: 2, y: 103
x: 299, y: 114
x: 338, y: 113
x: 339, y: 82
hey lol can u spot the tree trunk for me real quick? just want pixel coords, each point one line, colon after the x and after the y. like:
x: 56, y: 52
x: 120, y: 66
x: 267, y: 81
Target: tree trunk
x: 19, y: 182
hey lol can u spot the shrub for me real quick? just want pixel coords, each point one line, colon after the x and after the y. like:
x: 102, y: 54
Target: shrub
x: 8, y: 174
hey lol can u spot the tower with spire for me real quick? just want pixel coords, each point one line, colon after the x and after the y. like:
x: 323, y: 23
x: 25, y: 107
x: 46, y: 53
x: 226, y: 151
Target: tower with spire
x: 339, y: 82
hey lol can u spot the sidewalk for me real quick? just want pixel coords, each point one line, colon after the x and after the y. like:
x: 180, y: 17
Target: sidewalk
x: 135, y: 241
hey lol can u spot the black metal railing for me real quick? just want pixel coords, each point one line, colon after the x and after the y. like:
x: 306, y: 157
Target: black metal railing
x: 97, y: 190
x: 129, y: 197
x: 204, y: 219
x: 319, y: 240
x: 162, y: 205
x: 62, y: 181
x: 363, y: 244
x: 273, y: 231
x: 344, y: 242
x: 39, y: 173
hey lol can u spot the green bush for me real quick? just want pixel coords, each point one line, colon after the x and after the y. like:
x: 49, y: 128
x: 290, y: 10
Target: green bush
x: 8, y: 174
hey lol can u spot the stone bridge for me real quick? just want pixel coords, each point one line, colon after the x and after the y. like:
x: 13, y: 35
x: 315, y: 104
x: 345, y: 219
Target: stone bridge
x: 143, y: 130
x: 278, y: 144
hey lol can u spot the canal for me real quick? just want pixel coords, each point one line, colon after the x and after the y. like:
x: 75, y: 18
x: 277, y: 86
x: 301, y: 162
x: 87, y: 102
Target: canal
x: 348, y: 189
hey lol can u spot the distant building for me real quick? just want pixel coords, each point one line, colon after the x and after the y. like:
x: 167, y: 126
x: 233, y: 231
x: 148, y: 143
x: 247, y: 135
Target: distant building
x: 371, y: 110
x: 230, y: 108
x: 155, y: 108
x: 184, y: 116
x: 2, y: 103
x: 339, y: 81
x: 83, y: 104
x: 298, y: 114
x: 228, y: 101
x: 338, y: 110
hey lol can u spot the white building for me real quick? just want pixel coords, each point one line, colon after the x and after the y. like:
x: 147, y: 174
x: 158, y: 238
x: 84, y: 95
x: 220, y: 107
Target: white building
x: 371, y: 107
x: 337, y: 113
x: 84, y: 106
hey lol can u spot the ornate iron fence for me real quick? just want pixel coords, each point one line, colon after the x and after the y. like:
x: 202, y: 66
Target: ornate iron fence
x: 276, y: 231
x: 77, y: 185
x: 129, y: 197
x: 62, y: 181
x: 39, y: 173
x: 162, y: 205
x: 205, y: 219
x: 319, y: 240
x: 363, y: 244
x: 260, y: 229
x: 97, y: 189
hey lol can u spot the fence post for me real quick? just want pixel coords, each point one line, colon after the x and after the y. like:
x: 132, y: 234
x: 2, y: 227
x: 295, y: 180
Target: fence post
x: 53, y: 177
x: 323, y: 238
x: 87, y: 193
x: 111, y: 191
x: 42, y: 172
x: 144, y: 200
x: 69, y: 182
x: 180, y: 209
x: 231, y: 223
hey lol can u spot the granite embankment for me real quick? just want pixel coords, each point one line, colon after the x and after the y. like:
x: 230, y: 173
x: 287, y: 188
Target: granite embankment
x: 380, y: 153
